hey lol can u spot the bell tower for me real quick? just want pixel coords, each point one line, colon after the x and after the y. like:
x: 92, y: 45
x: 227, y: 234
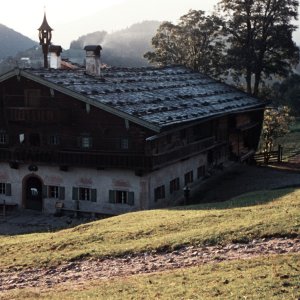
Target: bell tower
x: 45, y: 35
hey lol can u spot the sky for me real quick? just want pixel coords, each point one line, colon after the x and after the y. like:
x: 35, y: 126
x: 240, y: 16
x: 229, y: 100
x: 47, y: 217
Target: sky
x: 73, y: 18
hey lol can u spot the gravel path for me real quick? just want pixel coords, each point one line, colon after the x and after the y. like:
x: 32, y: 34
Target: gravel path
x: 81, y: 271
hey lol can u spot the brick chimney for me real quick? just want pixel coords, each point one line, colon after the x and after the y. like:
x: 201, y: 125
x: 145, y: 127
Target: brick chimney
x: 92, y: 59
x: 54, y: 55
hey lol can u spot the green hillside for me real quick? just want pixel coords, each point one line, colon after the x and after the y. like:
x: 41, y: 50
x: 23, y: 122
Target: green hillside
x: 256, y: 215
x: 13, y: 42
x: 250, y: 216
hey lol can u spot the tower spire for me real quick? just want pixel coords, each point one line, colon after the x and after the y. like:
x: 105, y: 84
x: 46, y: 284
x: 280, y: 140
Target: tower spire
x: 45, y: 36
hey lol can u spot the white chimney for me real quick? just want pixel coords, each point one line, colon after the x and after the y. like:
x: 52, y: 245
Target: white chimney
x: 55, y: 58
x: 92, y: 59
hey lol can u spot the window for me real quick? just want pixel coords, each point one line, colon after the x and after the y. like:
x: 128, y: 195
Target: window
x: 121, y: 197
x: 159, y: 193
x: 124, y: 144
x: 54, y: 140
x: 55, y: 192
x: 32, y: 98
x: 188, y: 177
x: 86, y: 142
x: 5, y: 189
x: 174, y: 185
x: 201, y: 172
x: 3, y: 137
x: 84, y: 194
x: 2, y: 188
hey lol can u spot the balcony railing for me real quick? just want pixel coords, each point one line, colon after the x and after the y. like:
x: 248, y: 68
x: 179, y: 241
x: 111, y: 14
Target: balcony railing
x: 183, y: 152
x: 35, y: 114
x: 73, y: 158
x: 104, y: 159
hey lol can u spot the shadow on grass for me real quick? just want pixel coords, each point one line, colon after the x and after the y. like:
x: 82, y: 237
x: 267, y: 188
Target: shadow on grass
x: 244, y: 200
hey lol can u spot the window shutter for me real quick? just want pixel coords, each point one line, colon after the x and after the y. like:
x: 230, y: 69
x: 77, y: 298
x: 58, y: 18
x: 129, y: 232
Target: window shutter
x: 8, y: 189
x: 131, y: 198
x: 62, y: 193
x: 44, y: 191
x: 112, y: 196
x: 75, y: 193
x: 94, y: 195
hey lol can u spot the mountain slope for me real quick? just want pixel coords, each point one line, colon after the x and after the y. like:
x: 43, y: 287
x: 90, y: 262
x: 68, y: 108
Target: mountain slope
x: 12, y: 42
x: 121, y: 48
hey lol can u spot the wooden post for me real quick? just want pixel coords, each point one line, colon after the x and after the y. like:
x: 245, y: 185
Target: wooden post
x: 279, y: 154
x: 4, y: 209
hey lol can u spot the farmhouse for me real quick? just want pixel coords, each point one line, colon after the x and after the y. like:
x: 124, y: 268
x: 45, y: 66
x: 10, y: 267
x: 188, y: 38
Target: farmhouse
x: 114, y: 140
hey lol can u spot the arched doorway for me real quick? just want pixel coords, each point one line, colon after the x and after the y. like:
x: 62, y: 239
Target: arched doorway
x: 33, y: 198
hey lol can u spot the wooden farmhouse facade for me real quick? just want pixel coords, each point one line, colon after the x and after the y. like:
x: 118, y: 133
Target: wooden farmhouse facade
x: 115, y: 140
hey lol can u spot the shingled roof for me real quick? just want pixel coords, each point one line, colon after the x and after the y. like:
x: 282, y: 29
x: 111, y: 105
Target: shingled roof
x: 160, y: 97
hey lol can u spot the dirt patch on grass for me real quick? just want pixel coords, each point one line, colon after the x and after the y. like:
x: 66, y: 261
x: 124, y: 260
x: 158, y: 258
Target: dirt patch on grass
x: 79, y: 272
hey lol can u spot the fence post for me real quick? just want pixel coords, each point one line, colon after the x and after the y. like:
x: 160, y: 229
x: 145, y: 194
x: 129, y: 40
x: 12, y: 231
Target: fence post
x: 279, y: 154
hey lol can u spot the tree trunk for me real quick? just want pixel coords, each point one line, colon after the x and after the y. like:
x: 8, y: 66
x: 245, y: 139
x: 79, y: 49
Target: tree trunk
x: 256, y: 83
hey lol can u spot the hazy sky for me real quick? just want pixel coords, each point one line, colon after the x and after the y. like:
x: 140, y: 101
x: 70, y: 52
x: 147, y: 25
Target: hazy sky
x: 72, y: 18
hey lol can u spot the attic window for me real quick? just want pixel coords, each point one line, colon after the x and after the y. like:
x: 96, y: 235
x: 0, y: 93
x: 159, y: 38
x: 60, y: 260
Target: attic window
x: 85, y: 141
x: 32, y: 97
x: 124, y: 143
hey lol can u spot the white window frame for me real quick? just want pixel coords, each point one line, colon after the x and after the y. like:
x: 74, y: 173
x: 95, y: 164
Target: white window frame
x: 121, y: 197
x: 53, y: 191
x: 84, y: 194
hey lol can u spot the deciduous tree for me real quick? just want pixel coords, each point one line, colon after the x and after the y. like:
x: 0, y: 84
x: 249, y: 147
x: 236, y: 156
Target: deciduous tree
x: 195, y: 42
x: 260, y: 39
x: 277, y: 121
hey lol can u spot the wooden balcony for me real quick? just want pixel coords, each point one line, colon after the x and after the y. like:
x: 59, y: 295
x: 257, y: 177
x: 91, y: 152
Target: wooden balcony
x: 135, y: 161
x: 183, y: 152
x: 35, y: 114
x: 104, y: 159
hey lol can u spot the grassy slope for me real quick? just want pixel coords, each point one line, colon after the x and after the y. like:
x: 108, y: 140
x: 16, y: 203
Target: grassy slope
x: 291, y: 141
x: 273, y: 277
x: 236, y: 220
